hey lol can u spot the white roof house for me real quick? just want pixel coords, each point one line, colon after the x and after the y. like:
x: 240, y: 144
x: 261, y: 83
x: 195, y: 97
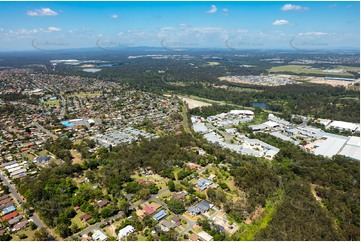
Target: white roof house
x: 205, y: 236
x: 99, y: 236
x: 125, y: 231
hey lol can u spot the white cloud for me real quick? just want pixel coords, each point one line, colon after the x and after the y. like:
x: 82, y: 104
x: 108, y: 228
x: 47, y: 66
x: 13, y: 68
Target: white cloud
x: 225, y: 10
x: 280, y: 22
x: 290, y: 7
x: 52, y: 29
x: 27, y: 32
x: 114, y: 16
x: 314, y: 33
x: 213, y: 9
x: 41, y: 12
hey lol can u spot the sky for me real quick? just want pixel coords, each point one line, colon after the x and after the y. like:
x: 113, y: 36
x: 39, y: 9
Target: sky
x: 265, y: 25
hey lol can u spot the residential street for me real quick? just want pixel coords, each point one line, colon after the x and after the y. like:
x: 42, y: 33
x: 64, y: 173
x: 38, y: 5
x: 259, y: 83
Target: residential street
x: 45, y: 130
x: 16, y: 195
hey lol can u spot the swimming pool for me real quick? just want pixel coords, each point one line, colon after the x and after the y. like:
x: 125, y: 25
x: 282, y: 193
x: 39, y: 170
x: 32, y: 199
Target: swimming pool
x: 67, y: 124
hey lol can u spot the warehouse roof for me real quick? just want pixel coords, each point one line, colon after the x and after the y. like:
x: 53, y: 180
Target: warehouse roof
x: 344, y: 125
x: 329, y: 147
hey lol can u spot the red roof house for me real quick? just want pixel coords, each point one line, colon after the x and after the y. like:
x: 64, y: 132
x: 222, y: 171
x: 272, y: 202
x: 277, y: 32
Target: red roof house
x: 85, y: 217
x: 10, y: 215
x: 148, y: 210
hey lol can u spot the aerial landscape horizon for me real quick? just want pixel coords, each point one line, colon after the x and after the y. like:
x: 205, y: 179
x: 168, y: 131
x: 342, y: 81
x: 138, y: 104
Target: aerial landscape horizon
x: 180, y: 121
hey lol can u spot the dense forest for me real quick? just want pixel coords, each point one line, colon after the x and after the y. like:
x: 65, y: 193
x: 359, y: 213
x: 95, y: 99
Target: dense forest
x: 319, y: 100
x: 315, y: 198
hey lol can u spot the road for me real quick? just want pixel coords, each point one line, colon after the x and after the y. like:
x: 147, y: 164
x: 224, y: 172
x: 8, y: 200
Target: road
x: 45, y: 130
x: 156, y: 199
x: 62, y: 112
x: 16, y: 195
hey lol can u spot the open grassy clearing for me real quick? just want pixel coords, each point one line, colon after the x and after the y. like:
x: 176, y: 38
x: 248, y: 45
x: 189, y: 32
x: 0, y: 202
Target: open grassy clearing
x: 301, y: 69
x: 76, y: 220
x: 248, y: 231
x: 77, y: 157
x: 51, y: 103
x: 213, y: 63
x: 192, y: 103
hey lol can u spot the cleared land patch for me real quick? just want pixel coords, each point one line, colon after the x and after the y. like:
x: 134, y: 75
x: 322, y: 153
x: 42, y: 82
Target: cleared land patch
x: 301, y: 69
x: 194, y: 103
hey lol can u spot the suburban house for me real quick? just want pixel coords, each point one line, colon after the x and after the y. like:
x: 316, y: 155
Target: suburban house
x: 148, y: 210
x: 155, y: 206
x: 180, y: 195
x: 42, y: 159
x: 166, y: 225
x: 15, y: 220
x: 102, y: 203
x: 161, y: 214
x: 205, y: 236
x: 203, y: 184
x: 99, y: 236
x: 176, y: 220
x: 199, y: 208
x: 20, y: 225
x: 10, y: 215
x: 125, y: 231
x: 194, y: 237
x: 9, y: 209
x: 85, y: 217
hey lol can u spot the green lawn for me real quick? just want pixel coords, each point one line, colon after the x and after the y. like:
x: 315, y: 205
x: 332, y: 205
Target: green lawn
x: 51, y: 103
x: 27, y: 231
x: 29, y: 156
x: 76, y: 220
x: 43, y: 152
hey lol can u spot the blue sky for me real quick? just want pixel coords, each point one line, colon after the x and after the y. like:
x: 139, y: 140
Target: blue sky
x: 181, y: 24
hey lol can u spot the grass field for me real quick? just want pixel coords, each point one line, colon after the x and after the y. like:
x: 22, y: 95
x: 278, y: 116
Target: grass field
x: 192, y: 103
x: 301, y: 69
x: 51, y: 103
x: 43, y: 152
x: 29, y: 156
